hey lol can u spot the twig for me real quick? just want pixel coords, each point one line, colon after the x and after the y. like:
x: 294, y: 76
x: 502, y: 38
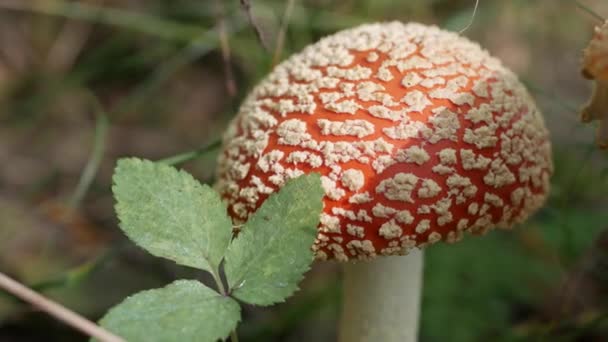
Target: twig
x: 246, y: 4
x: 278, y: 50
x: 589, y: 11
x: 76, y: 275
x: 69, y: 43
x: 56, y: 310
x: 67, y: 46
x: 220, y: 286
x: 90, y: 169
x: 186, y: 156
x: 16, y: 45
x: 225, y: 47
x: 472, y: 18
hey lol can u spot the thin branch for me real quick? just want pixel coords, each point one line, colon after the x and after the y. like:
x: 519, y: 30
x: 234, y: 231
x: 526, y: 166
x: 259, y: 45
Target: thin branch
x: 246, y: 4
x: 233, y: 336
x: 472, y: 18
x: 225, y: 48
x: 220, y: 285
x: 278, y: 49
x: 56, y: 310
x: 76, y: 275
x: 187, y: 156
x: 589, y: 11
x: 90, y: 169
x: 68, y: 44
x: 16, y: 48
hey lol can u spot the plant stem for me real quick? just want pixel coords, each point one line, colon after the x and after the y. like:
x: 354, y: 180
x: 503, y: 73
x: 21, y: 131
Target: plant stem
x: 90, y: 170
x: 589, y: 11
x: 220, y: 285
x: 382, y: 299
x: 246, y: 4
x: 56, y: 310
x: 187, y: 156
x: 472, y: 18
x: 225, y: 48
x: 278, y: 50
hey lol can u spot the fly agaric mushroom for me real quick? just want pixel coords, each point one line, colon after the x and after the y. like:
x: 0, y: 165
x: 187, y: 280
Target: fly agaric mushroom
x: 595, y: 67
x: 419, y: 136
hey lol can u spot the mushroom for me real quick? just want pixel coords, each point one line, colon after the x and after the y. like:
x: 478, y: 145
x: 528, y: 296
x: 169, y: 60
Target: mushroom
x: 419, y: 135
x: 595, y: 67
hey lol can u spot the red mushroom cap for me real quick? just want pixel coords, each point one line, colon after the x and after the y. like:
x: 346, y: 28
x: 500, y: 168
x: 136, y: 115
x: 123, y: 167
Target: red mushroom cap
x: 418, y: 133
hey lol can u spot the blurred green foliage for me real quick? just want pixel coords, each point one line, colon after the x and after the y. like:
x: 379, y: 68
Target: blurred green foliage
x: 157, y: 69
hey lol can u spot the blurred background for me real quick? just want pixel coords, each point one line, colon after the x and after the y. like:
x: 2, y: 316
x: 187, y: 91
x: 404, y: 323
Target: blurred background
x: 83, y: 83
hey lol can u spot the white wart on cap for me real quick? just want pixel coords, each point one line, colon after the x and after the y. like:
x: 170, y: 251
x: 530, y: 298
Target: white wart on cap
x: 418, y: 133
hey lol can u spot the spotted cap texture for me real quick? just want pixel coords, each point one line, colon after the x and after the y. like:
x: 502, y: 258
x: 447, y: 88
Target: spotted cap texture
x: 418, y: 133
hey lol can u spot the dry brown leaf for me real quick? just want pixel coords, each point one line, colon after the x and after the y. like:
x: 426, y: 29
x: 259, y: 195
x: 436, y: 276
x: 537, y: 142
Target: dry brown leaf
x: 595, y: 67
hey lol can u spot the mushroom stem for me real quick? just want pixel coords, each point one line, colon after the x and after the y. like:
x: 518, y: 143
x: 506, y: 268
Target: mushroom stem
x: 382, y: 299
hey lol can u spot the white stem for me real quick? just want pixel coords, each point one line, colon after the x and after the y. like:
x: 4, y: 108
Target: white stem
x: 382, y: 299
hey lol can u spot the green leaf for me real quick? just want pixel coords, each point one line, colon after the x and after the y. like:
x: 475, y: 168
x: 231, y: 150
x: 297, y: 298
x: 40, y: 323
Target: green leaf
x: 269, y: 257
x: 185, y: 310
x: 170, y: 214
